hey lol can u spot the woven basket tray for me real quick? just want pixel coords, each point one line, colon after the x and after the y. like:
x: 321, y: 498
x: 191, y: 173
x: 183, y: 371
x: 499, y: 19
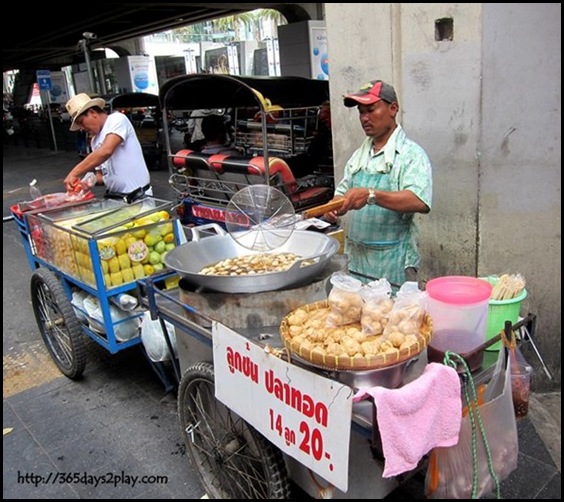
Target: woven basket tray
x: 341, y: 362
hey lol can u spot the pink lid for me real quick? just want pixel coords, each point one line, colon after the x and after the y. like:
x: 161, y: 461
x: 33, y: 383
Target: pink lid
x: 459, y: 289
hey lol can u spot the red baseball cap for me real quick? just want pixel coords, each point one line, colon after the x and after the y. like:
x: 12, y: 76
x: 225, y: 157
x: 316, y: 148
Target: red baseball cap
x: 370, y: 93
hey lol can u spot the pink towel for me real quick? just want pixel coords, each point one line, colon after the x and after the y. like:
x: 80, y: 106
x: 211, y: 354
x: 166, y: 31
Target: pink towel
x: 417, y: 417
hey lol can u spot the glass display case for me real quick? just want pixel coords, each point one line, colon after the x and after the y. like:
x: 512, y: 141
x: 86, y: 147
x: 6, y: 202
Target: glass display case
x: 106, y: 243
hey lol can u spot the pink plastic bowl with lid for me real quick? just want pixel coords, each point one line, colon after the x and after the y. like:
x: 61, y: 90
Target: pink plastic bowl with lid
x: 459, y: 289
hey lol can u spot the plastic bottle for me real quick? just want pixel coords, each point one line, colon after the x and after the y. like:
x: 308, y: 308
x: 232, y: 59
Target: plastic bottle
x: 125, y: 302
x: 34, y: 191
x: 88, y: 181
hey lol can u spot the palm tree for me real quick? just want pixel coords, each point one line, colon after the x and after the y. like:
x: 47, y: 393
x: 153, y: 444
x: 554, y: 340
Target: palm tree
x: 238, y: 24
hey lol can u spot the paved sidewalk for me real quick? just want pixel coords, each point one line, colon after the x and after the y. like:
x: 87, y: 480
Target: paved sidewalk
x: 117, y: 421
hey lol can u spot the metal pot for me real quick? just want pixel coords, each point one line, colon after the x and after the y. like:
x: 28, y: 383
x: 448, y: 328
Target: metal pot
x: 390, y: 377
x: 188, y: 259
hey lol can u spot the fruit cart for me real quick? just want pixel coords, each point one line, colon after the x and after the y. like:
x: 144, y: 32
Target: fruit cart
x: 87, y: 257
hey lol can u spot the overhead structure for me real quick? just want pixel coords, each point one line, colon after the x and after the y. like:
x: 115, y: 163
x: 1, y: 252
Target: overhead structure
x: 53, y: 41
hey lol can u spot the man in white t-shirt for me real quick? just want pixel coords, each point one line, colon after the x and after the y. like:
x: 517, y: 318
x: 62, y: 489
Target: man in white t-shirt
x: 116, y: 157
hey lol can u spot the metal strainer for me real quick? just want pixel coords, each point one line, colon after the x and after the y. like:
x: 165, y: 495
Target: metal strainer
x: 260, y: 217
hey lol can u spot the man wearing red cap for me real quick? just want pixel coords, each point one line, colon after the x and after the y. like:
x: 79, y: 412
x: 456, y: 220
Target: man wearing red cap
x: 386, y: 181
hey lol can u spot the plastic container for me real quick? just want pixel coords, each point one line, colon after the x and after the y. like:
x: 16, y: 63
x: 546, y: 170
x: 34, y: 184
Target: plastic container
x: 34, y: 191
x: 500, y: 311
x: 521, y: 374
x: 458, y: 306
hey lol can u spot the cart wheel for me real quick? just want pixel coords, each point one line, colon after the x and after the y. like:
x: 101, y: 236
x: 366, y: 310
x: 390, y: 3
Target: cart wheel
x: 233, y: 460
x: 57, y: 322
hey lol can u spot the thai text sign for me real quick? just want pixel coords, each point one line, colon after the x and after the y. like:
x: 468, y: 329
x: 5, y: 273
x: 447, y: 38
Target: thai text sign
x: 305, y: 415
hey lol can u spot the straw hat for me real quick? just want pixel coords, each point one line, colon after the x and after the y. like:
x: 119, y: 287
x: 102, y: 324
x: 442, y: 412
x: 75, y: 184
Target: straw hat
x: 78, y: 104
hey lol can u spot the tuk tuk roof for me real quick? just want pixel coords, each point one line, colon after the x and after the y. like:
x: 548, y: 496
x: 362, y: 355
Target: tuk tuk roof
x: 198, y: 91
x: 134, y: 100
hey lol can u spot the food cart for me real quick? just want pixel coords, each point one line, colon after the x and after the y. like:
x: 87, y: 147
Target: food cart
x: 245, y: 435
x: 254, y: 417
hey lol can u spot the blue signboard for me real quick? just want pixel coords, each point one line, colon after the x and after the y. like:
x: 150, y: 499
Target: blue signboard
x: 44, y: 80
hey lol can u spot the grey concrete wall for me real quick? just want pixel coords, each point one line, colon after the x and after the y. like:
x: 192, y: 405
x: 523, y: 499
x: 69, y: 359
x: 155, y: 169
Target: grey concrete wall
x: 486, y: 107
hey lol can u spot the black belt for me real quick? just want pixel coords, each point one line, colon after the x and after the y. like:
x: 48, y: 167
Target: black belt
x: 128, y: 197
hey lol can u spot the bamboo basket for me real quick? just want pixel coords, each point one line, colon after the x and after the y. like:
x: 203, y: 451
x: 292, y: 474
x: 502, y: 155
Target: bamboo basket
x: 358, y: 362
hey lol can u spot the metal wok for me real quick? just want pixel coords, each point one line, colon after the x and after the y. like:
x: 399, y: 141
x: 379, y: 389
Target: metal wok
x: 189, y: 258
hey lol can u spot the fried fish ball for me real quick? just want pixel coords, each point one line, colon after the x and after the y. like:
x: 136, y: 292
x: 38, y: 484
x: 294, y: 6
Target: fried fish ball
x: 410, y: 341
x: 335, y: 349
x: 335, y: 319
x: 316, y: 323
x: 387, y: 305
x: 352, y: 331
x: 338, y: 333
x: 408, y: 326
x: 350, y: 346
x: 396, y: 338
x: 295, y: 330
x: 297, y: 318
x: 318, y: 335
x: 386, y: 345
x: 317, y: 315
x: 371, y: 347
x: 371, y: 326
x: 342, y: 301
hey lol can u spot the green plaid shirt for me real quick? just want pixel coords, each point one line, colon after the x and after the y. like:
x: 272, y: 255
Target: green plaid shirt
x: 383, y: 243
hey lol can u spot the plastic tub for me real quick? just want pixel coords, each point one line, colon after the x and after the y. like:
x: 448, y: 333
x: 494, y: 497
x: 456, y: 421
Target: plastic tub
x: 500, y: 311
x: 458, y: 306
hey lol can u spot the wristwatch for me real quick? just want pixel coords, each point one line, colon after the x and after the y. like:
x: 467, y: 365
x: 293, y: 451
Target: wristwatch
x: 371, y: 200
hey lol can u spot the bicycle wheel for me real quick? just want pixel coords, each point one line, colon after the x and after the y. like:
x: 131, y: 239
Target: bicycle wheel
x: 57, y: 322
x: 233, y: 460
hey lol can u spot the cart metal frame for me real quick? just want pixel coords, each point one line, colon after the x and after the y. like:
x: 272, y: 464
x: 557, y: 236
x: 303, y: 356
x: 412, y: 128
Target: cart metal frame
x: 51, y: 294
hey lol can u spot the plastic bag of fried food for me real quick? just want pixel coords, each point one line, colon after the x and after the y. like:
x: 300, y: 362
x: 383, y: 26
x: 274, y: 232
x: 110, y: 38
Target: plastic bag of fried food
x: 376, y: 308
x: 345, y: 300
x: 407, y: 315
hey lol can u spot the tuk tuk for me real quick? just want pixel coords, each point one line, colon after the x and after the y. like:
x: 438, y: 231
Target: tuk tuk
x: 272, y: 122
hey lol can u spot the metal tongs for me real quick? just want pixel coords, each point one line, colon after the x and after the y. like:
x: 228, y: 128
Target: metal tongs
x: 531, y: 320
x: 524, y: 327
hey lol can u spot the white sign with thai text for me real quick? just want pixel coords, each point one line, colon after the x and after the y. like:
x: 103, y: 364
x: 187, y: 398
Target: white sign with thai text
x: 305, y: 415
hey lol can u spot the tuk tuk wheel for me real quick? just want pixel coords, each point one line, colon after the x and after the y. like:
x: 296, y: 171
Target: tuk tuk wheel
x: 57, y: 322
x: 234, y: 461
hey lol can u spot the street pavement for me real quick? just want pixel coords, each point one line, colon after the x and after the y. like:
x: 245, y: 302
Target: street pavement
x: 117, y: 423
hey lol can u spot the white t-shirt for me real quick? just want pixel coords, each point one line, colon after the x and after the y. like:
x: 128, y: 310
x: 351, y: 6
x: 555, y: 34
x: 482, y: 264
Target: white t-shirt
x: 126, y: 169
